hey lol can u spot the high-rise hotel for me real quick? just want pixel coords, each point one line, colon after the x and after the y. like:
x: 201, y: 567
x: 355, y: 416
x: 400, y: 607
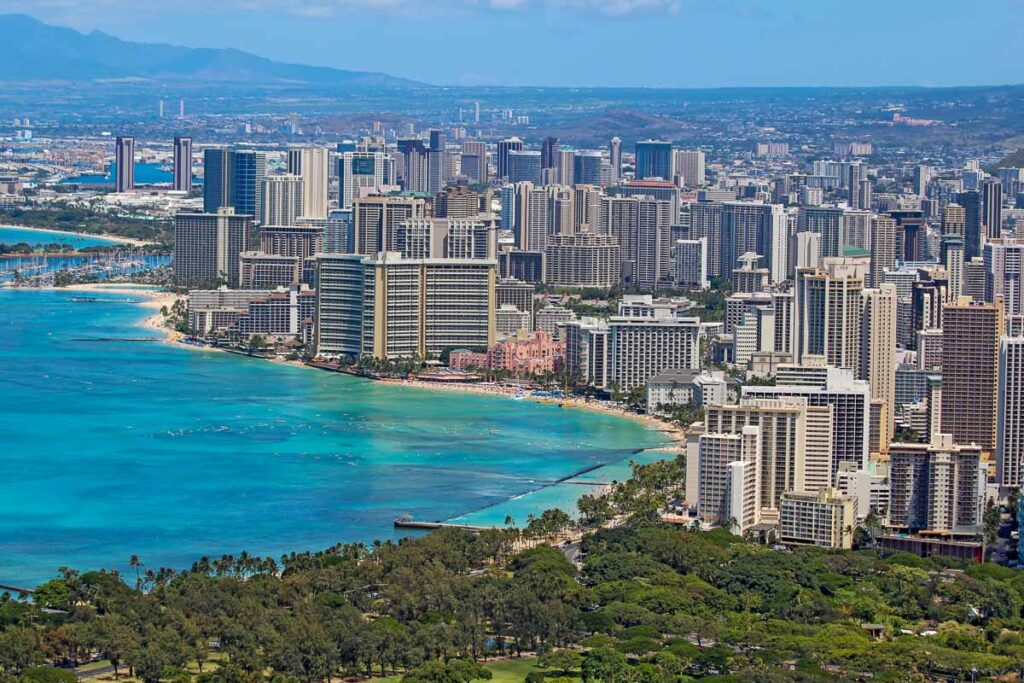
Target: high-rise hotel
x: 207, y: 246
x: 390, y: 307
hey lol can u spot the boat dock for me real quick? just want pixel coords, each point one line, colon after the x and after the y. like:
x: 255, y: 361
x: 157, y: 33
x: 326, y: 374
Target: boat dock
x: 413, y: 524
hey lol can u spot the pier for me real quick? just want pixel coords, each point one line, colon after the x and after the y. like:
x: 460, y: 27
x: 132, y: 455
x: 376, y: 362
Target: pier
x: 413, y: 524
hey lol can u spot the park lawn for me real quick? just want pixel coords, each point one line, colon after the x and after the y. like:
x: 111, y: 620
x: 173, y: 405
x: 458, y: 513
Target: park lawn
x: 505, y: 671
x: 512, y: 670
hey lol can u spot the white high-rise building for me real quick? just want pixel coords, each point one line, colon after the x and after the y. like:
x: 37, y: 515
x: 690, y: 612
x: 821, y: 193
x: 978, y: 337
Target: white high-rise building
x: 641, y: 347
x: 643, y: 228
x: 312, y: 164
x: 691, y: 263
x: 878, y: 352
x: 689, y: 164
x: 828, y: 312
x: 1010, y: 430
x: 615, y: 155
x: 727, y: 478
x: 796, y: 447
x: 359, y: 174
x: 282, y: 200
x: 850, y: 400
x: 1004, y: 273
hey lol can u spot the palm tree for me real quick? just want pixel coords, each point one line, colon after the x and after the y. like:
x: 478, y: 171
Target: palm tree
x: 135, y: 563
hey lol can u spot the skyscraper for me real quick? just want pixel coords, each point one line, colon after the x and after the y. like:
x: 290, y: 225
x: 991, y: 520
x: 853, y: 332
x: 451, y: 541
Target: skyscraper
x: 653, y: 160
x: 182, y: 181
x: 615, y: 153
x: 706, y: 222
x: 359, y: 173
x: 828, y: 312
x: 951, y: 255
x: 474, y: 161
x: 124, y: 158
x: 827, y: 222
x: 504, y: 147
x: 878, y: 351
x: 586, y: 168
x: 992, y: 208
x: 421, y: 307
x: 851, y: 408
x: 207, y: 247
x: 970, y: 371
x: 758, y: 228
x: 1010, y: 433
x: 643, y: 228
x: 437, y: 156
x: 248, y: 171
x: 567, y: 167
x: 282, y: 200
x: 974, y: 223
x: 216, y: 179
x: 415, y: 157
x: 377, y: 220
x: 690, y: 165
x: 883, y: 248
x: 311, y: 164
x: 1004, y: 273
x: 523, y: 166
x: 234, y: 178
x: 549, y: 152
x: 954, y: 220
x: 935, y: 486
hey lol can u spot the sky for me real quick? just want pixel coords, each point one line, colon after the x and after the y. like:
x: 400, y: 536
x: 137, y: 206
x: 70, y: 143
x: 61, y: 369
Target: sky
x: 677, y: 43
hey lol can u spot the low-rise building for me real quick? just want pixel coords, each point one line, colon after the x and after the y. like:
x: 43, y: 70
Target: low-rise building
x: 527, y: 354
x: 549, y: 318
x: 823, y: 518
x: 669, y: 389
x: 509, y: 321
x: 213, y: 311
x: 259, y: 270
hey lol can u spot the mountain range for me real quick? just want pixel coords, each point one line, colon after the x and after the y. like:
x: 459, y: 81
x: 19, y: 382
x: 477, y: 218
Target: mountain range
x: 36, y: 51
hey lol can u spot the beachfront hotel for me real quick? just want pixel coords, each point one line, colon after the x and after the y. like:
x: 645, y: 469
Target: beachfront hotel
x: 393, y: 307
x: 207, y: 246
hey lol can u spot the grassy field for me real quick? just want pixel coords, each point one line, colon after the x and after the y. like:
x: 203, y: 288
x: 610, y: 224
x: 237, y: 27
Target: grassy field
x: 505, y: 671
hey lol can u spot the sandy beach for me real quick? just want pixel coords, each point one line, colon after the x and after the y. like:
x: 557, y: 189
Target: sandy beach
x: 113, y: 238
x: 674, y: 432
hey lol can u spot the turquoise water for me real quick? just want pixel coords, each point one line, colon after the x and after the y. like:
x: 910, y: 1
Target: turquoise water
x: 117, y: 448
x: 12, y: 235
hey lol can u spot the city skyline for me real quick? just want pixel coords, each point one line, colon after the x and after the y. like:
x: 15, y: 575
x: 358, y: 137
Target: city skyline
x: 646, y: 43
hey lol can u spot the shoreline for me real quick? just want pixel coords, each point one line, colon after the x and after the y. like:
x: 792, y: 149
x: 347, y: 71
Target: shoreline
x: 116, y: 239
x: 154, y: 299
x: 674, y: 433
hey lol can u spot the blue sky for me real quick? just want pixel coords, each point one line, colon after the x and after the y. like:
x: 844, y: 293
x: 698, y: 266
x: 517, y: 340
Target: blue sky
x: 687, y: 43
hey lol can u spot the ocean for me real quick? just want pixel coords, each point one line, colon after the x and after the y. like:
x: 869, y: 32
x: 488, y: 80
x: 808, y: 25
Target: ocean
x: 115, y: 448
